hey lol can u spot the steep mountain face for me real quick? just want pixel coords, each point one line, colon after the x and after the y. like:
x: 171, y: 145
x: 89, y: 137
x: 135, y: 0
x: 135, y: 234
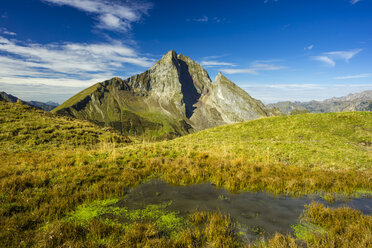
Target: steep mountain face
x: 226, y: 103
x: 174, y: 97
x: 47, y: 106
x: 352, y: 102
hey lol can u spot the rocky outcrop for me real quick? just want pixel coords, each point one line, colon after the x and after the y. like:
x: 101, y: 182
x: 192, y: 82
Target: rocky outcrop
x: 174, y: 97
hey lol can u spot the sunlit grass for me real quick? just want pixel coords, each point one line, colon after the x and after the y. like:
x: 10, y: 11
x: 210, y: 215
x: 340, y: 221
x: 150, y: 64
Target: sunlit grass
x: 52, y: 166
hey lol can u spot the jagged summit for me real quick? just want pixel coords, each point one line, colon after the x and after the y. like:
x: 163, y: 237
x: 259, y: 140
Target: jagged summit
x: 219, y: 76
x: 169, y: 57
x: 174, y: 97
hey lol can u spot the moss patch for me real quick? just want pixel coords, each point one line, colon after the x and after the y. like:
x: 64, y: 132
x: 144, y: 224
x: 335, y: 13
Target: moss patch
x: 106, y: 212
x: 306, y: 230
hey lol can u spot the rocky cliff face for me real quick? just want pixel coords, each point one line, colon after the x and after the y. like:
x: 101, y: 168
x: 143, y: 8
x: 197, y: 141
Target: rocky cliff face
x: 174, y: 97
x: 225, y: 103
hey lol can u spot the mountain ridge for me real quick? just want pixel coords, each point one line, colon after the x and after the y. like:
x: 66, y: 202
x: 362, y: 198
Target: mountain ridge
x: 361, y: 101
x: 174, y: 97
x: 47, y: 106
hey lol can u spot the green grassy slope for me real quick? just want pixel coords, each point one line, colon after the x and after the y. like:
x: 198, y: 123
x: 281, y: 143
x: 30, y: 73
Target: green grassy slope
x: 77, y: 98
x: 334, y: 140
x: 27, y: 128
x: 51, y: 165
x: 293, y: 154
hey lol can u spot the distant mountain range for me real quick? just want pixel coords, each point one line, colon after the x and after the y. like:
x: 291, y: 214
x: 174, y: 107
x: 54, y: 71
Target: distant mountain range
x: 47, y: 106
x: 174, y: 97
x: 352, y: 102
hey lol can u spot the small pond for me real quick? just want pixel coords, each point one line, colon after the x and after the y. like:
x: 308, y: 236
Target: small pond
x: 257, y: 213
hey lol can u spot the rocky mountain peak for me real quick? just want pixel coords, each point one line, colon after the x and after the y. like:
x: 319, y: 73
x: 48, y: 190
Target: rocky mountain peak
x: 174, y: 97
x: 168, y: 58
x: 220, y: 77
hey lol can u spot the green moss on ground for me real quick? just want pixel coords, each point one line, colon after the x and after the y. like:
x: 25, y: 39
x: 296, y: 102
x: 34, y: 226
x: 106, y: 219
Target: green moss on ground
x: 306, y: 231
x: 108, y: 213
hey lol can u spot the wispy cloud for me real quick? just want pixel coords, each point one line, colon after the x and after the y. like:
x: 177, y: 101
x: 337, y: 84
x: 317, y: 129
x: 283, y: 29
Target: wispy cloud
x: 366, y: 75
x: 4, y: 15
x: 354, y: 1
x: 212, y: 63
x: 201, y: 19
x: 326, y: 60
x: 6, y: 32
x: 309, y: 47
x: 72, y: 64
x: 344, y: 55
x: 266, y: 1
x: 329, y: 58
x: 254, y: 69
x: 111, y: 15
x: 206, y: 19
x: 214, y: 57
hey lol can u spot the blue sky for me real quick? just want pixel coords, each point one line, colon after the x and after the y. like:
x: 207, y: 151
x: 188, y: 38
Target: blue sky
x: 274, y: 49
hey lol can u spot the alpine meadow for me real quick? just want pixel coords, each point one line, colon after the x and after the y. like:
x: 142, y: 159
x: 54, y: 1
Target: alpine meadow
x: 259, y: 136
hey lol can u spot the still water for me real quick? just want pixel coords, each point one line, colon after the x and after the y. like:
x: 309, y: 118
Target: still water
x: 256, y: 213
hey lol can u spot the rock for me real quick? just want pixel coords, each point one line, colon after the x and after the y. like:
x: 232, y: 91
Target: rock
x: 174, y: 97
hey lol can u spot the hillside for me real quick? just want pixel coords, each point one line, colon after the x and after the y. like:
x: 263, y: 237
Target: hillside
x: 290, y: 154
x: 353, y: 102
x: 26, y: 128
x: 172, y: 98
x: 53, y: 167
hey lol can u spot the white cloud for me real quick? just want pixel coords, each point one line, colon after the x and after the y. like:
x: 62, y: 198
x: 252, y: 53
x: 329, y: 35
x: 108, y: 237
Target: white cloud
x: 72, y: 64
x: 329, y: 58
x: 111, y: 15
x: 309, y: 47
x: 355, y: 76
x: 202, y: 19
x: 214, y: 57
x: 206, y: 19
x: 6, y: 32
x: 212, y: 63
x: 266, y: 1
x: 354, y: 1
x: 344, y: 55
x: 254, y: 69
x: 9, y: 33
x: 326, y: 60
